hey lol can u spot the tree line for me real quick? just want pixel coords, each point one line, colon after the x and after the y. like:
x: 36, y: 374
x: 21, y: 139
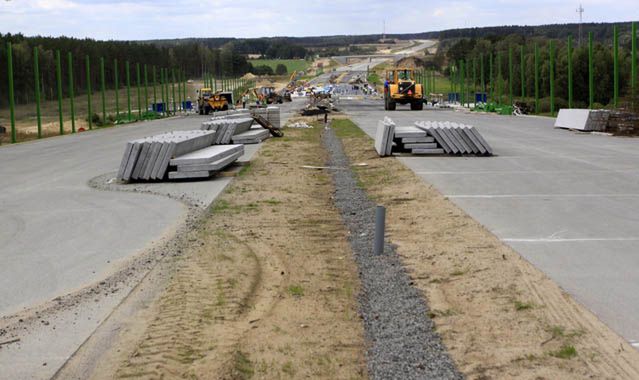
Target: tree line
x: 191, y: 59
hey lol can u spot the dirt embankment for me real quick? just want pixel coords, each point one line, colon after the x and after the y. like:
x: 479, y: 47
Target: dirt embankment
x: 500, y: 317
x: 265, y: 288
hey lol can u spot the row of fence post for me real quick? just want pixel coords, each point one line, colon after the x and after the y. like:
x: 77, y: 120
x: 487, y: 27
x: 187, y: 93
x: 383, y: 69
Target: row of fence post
x: 169, y: 80
x: 460, y: 74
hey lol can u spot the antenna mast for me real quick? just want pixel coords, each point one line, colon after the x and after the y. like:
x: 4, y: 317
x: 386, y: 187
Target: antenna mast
x: 580, y: 10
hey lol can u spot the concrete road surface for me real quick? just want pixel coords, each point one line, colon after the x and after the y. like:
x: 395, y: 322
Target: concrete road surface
x: 568, y: 202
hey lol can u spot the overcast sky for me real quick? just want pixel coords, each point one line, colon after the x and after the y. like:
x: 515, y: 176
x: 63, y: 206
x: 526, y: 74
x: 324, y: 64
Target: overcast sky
x: 146, y: 19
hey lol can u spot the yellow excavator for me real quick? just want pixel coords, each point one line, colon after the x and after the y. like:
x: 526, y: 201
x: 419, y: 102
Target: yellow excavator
x: 400, y: 87
x: 208, y: 101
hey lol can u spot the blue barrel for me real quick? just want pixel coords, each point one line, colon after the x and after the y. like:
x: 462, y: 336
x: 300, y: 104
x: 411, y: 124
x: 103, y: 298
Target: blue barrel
x: 453, y: 97
x: 480, y: 97
x: 157, y: 107
x: 187, y: 105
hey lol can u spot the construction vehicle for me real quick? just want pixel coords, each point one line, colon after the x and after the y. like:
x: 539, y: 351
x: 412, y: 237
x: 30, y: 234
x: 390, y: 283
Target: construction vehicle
x: 268, y: 95
x: 400, y: 87
x: 208, y: 101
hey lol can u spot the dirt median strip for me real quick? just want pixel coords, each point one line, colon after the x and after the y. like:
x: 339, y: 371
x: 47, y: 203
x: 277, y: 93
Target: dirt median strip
x: 499, y: 316
x: 265, y: 288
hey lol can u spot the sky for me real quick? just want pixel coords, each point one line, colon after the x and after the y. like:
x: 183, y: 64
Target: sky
x: 157, y: 19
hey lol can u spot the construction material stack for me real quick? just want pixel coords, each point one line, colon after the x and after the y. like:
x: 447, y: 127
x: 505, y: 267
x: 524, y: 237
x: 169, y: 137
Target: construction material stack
x: 456, y: 138
x: 271, y: 114
x: 205, y: 162
x: 225, y: 128
x: 148, y: 158
x: 415, y: 140
x: 254, y: 135
x: 384, y: 137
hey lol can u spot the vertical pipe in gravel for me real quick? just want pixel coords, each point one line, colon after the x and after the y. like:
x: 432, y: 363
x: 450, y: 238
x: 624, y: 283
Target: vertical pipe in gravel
x: 380, y: 227
x: 402, y: 342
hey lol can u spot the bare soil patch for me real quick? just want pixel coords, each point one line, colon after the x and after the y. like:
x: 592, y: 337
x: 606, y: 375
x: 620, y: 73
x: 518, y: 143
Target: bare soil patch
x: 265, y: 288
x: 499, y: 316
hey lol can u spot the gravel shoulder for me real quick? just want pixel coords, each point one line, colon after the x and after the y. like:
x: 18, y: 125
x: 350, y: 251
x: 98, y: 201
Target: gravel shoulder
x: 498, y: 315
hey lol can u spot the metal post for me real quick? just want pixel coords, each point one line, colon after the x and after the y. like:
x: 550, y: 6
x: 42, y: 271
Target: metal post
x: 36, y: 70
x: 570, y: 72
x: 162, y: 90
x: 616, y: 65
x: 380, y: 224
x: 552, y: 78
x: 117, y: 90
x: 474, y: 88
x: 536, y: 78
x: 12, y: 110
x: 510, y: 75
x: 87, y: 63
x: 521, y: 72
x: 71, y: 91
x: 146, y: 89
x: 173, y: 89
x: 499, y: 100
x: 138, y: 83
x: 462, y: 85
x: 155, y: 95
x: 591, y: 72
x: 128, y: 89
x: 166, y: 91
x: 58, y: 70
x: 481, y: 68
x: 103, y: 90
x: 633, y: 76
x: 490, y: 74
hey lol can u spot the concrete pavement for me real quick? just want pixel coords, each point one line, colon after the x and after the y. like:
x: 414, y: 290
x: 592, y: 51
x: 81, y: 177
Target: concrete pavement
x: 568, y: 202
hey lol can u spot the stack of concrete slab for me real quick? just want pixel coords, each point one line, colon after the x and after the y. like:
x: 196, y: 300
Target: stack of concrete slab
x: 205, y: 162
x: 582, y: 119
x: 225, y: 128
x: 456, y: 138
x: 384, y: 137
x: 415, y: 140
x: 272, y: 114
x: 148, y: 158
x: 254, y: 135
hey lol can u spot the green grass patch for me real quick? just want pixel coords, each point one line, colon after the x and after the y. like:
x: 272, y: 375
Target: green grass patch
x: 345, y: 128
x: 291, y: 64
x: 374, y: 79
x: 246, y: 169
x: 565, y: 352
x: 520, y: 306
x: 220, y: 205
x: 242, y: 366
x: 296, y: 290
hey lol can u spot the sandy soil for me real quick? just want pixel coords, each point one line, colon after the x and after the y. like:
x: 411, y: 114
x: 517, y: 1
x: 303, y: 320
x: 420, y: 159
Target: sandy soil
x: 500, y: 317
x: 266, y: 287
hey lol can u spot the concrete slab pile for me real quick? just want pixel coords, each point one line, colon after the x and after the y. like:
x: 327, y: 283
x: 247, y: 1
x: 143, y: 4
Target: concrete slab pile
x: 455, y: 138
x: 205, y: 162
x: 272, y: 114
x: 224, y: 128
x: 582, y: 119
x: 384, y: 137
x: 148, y: 158
x: 254, y: 135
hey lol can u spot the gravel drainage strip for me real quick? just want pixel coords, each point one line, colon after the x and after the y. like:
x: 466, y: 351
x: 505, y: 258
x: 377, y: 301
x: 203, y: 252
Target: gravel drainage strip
x: 402, y: 340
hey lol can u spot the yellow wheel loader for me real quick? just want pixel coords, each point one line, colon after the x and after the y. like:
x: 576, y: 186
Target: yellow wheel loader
x: 400, y: 87
x: 208, y: 101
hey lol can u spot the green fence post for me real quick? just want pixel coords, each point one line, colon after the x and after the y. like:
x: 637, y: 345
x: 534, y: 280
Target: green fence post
x: 468, y: 96
x: 146, y: 88
x: 552, y: 78
x: 103, y: 90
x: 591, y: 73
x: 510, y: 75
x: 462, y: 82
x: 633, y: 75
x: 138, y: 83
x: 499, y: 84
x: 184, y: 91
x: 521, y: 72
x: 616, y: 65
x: 12, y: 110
x: 71, y: 91
x: 490, y: 75
x: 166, y: 91
x: 173, y: 89
x: 536, y: 78
x: 570, y: 72
x: 36, y: 71
x: 117, y: 90
x: 58, y: 70
x: 474, y: 89
x: 214, y: 84
x: 128, y: 88
x: 87, y: 63
x: 155, y: 95
x: 481, y: 68
x: 162, y: 90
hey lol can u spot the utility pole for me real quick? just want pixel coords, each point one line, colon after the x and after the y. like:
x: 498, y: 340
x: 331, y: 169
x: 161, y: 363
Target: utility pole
x: 580, y: 10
